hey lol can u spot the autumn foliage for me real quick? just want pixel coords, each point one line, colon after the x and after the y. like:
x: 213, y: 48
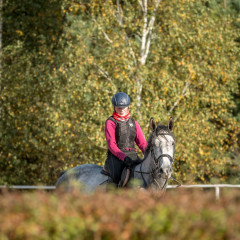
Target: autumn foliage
x: 63, y: 60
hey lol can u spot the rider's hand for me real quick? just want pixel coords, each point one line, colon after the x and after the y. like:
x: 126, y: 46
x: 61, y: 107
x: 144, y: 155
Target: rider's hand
x: 130, y: 163
x: 138, y: 161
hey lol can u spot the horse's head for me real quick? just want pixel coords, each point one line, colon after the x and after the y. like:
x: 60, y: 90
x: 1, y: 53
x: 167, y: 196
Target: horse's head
x: 162, y: 147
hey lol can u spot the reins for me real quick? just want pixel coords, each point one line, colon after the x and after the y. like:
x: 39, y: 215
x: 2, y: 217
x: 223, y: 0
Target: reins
x: 179, y: 184
x: 155, y: 170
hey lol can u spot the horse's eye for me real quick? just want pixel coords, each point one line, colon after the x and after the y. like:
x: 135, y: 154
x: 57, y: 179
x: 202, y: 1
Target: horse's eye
x: 173, y: 143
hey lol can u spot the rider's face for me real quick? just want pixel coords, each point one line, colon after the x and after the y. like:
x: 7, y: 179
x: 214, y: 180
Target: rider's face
x: 121, y: 111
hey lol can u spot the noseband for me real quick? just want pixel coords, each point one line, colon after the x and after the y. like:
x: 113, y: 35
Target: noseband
x: 162, y: 156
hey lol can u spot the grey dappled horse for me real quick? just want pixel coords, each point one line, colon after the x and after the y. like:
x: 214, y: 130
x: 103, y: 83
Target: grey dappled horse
x: 153, y: 172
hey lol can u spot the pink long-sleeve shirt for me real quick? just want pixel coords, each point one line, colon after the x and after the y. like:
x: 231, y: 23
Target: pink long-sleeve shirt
x: 110, y: 127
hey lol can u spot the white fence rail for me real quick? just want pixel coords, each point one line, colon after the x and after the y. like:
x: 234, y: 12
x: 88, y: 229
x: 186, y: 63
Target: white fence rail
x: 216, y: 186
x: 26, y: 187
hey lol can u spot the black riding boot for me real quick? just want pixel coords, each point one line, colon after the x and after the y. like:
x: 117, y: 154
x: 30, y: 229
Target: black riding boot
x: 114, y: 166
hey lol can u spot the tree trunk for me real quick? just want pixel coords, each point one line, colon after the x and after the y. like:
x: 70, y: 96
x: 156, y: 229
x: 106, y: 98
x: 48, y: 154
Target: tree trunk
x: 145, y: 45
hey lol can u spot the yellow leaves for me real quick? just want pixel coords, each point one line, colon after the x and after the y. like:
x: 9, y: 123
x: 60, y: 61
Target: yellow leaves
x: 183, y: 16
x: 116, y: 75
x: 191, y: 70
x: 181, y: 63
x: 116, y: 44
x: 91, y: 59
x: 224, y: 78
x: 181, y: 97
x: 19, y: 32
x: 201, y: 152
x: 32, y: 109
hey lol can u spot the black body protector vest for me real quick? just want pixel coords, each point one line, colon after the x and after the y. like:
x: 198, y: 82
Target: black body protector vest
x: 125, y: 134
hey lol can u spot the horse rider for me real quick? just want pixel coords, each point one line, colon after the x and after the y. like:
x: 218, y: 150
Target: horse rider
x: 121, y: 131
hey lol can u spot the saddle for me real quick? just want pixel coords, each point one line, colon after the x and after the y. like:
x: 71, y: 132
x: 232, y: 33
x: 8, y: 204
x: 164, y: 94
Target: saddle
x: 125, y: 177
x: 104, y: 171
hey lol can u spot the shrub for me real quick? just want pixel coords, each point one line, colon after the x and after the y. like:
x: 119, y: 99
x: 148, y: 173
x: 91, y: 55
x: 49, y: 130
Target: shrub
x: 119, y: 215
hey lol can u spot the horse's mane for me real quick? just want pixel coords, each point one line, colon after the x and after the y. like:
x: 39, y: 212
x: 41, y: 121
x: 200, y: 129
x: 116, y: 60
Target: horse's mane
x: 160, y: 130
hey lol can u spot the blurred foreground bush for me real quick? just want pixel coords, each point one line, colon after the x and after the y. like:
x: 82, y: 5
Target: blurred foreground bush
x: 121, y: 215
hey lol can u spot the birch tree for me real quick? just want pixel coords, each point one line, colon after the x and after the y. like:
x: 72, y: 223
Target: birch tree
x: 145, y: 37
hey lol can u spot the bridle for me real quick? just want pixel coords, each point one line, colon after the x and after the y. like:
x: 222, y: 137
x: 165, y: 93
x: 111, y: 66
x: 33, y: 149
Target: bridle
x: 156, y: 171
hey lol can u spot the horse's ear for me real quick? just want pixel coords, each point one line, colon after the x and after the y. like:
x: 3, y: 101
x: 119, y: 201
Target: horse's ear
x: 170, y: 124
x: 153, y: 125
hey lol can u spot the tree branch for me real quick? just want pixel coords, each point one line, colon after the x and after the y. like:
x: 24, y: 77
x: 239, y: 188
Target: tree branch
x: 106, y: 75
x: 138, y: 96
x: 141, y: 4
x: 184, y: 92
x: 119, y: 14
x: 147, y: 29
x: 145, y: 33
x: 120, y: 20
x: 104, y: 33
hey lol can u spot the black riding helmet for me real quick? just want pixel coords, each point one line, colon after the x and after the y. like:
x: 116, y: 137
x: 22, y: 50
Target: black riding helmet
x: 120, y: 99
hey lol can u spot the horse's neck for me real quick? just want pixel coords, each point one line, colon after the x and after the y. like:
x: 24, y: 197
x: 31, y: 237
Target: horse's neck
x: 144, y: 167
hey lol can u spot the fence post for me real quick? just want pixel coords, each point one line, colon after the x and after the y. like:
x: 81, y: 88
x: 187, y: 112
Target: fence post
x: 217, y: 190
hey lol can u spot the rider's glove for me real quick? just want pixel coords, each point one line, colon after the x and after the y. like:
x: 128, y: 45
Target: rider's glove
x: 130, y: 163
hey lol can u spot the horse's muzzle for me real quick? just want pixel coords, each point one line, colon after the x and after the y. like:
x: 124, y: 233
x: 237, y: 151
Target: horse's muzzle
x: 166, y: 173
